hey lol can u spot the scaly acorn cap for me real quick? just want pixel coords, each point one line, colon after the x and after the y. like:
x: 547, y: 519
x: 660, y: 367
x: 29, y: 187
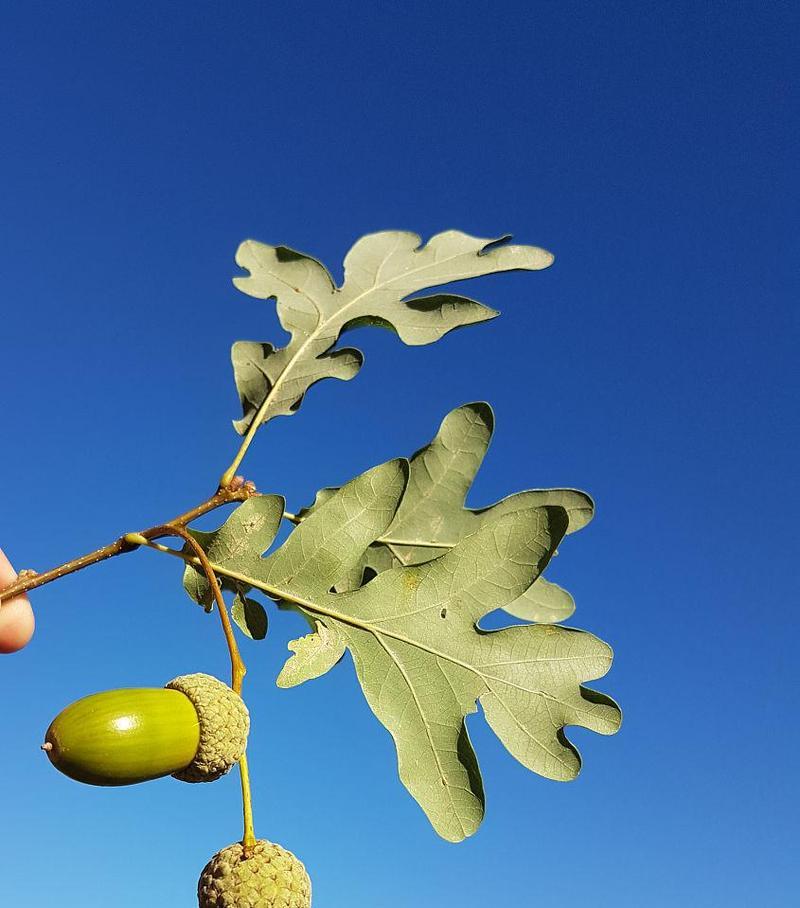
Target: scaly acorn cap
x: 224, y: 724
x: 270, y: 878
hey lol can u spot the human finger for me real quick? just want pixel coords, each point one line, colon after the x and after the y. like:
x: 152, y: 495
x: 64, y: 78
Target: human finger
x: 16, y: 615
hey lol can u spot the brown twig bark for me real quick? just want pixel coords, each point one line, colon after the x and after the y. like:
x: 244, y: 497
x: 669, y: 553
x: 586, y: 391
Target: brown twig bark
x: 30, y: 581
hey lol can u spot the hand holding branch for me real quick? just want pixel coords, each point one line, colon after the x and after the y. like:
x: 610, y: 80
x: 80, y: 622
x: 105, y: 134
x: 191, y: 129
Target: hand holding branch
x: 16, y: 615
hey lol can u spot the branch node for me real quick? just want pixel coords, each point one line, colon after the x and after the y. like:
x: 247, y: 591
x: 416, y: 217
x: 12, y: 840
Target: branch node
x: 134, y: 539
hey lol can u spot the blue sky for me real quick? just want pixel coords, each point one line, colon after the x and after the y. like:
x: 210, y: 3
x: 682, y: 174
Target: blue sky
x: 652, y: 148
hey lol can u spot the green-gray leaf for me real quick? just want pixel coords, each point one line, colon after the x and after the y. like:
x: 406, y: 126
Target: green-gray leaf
x: 421, y: 658
x: 250, y: 617
x: 422, y: 664
x: 382, y: 272
x: 432, y: 516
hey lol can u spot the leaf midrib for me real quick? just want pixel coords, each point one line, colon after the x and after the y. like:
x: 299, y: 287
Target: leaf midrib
x: 365, y: 626
x: 278, y: 593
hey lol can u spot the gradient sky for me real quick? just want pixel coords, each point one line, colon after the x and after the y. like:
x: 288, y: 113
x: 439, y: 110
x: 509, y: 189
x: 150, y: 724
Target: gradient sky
x: 653, y: 149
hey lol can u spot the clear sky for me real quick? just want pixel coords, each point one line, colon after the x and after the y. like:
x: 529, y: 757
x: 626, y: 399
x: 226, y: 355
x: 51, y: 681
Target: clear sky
x: 653, y: 148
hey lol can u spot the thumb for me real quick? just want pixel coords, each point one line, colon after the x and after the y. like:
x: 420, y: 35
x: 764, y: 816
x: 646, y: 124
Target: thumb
x: 16, y: 615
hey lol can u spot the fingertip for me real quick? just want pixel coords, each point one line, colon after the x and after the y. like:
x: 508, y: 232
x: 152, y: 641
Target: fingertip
x: 17, y: 625
x: 7, y: 573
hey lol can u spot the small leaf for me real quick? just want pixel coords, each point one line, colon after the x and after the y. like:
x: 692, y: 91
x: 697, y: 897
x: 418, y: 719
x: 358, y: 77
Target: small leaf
x: 383, y: 271
x: 247, y: 533
x: 250, y: 617
x: 314, y: 655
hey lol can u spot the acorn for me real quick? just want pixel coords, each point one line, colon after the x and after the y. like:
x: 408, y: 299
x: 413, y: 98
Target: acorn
x: 267, y: 876
x: 195, y: 729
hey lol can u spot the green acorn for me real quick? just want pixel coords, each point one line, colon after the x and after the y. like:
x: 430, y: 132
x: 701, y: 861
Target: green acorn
x: 269, y: 877
x: 194, y: 729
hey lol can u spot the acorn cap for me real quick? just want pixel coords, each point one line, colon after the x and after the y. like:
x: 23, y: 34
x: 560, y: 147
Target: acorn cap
x: 224, y: 723
x: 270, y: 877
